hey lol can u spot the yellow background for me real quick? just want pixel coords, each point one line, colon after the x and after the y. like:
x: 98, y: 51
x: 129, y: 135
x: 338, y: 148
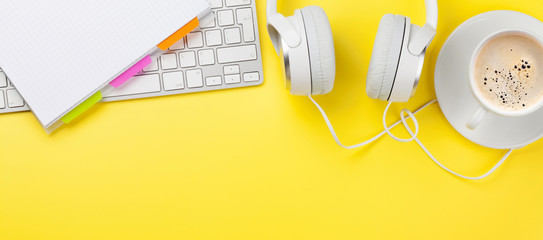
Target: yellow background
x: 258, y: 163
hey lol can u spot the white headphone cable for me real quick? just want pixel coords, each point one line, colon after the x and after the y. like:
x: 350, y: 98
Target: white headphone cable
x: 492, y: 170
x: 411, y: 115
x: 387, y: 129
x: 413, y: 137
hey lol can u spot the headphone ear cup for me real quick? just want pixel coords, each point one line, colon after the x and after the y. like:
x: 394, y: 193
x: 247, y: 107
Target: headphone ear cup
x: 321, y: 49
x: 296, y: 60
x: 385, y: 57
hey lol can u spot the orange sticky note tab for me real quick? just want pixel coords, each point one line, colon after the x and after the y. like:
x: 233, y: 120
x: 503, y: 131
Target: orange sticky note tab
x: 179, y: 34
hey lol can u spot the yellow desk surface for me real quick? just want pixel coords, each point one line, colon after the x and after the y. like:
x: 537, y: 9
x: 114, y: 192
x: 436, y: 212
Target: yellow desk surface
x: 258, y: 163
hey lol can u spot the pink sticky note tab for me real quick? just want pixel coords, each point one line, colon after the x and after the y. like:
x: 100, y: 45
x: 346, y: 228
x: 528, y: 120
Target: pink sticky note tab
x: 117, y: 82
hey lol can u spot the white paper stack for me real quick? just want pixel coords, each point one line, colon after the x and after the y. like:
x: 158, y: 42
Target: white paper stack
x: 58, y: 53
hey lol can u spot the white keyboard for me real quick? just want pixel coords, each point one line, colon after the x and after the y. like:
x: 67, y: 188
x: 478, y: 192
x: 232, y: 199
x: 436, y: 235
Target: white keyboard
x: 224, y: 52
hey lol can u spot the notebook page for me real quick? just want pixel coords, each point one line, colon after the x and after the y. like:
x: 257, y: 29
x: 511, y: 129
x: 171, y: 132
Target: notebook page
x: 57, y: 53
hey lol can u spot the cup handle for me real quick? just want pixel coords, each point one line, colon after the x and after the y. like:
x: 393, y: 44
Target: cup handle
x: 476, y: 118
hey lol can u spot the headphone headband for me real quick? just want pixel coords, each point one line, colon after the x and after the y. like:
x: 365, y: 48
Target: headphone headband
x: 430, y: 5
x: 422, y: 38
x: 280, y: 29
x: 271, y: 9
x: 431, y: 12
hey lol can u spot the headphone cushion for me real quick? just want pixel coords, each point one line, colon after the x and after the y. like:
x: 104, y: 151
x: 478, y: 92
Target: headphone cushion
x: 385, y: 57
x: 321, y: 49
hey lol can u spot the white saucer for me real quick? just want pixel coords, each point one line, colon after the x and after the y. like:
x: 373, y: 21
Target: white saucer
x: 452, y: 83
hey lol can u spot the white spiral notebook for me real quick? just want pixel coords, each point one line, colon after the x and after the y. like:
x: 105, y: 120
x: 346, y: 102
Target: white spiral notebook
x: 58, y: 53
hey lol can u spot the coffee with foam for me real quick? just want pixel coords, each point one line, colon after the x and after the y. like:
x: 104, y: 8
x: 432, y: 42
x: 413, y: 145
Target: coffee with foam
x: 508, y: 72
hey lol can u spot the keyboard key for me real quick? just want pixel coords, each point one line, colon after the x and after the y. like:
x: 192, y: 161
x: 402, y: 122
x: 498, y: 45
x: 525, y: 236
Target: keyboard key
x: 208, y: 21
x: 195, y: 40
x: 232, y: 35
x: 236, y: 54
x: 194, y: 78
x: 169, y: 61
x: 187, y: 59
x: 206, y: 57
x: 245, y: 18
x: 153, y: 66
x: 136, y: 85
x: 173, y: 81
x: 179, y: 45
x: 251, y: 77
x: 225, y: 17
x: 2, y: 102
x: 231, y: 79
x: 232, y: 3
x: 213, y: 38
x: 231, y: 69
x: 14, y: 99
x: 3, y: 80
x: 215, y: 3
x: 213, y: 81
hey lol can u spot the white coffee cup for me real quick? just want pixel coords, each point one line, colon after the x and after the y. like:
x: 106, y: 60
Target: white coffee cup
x: 484, y: 106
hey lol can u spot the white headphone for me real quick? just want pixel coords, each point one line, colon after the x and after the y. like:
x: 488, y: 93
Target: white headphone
x: 306, y: 42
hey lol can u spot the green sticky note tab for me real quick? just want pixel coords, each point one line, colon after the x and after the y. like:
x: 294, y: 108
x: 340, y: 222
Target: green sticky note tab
x: 84, y: 106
